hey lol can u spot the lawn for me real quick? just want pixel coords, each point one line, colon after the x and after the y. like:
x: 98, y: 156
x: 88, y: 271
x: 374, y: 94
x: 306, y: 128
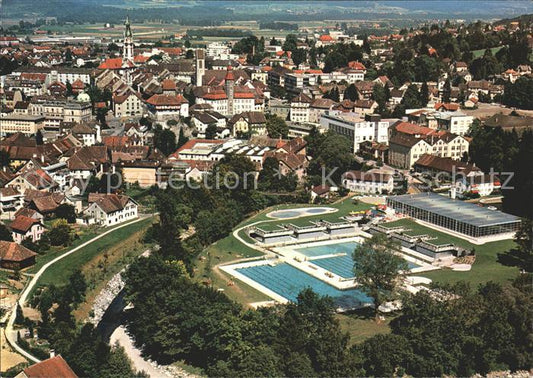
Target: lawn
x: 418, y: 229
x: 361, y: 325
x: 479, y: 53
x: 59, y: 272
x: 486, y: 268
x: 83, y: 235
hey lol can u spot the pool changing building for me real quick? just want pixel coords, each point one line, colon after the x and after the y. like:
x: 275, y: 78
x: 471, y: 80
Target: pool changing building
x: 462, y: 217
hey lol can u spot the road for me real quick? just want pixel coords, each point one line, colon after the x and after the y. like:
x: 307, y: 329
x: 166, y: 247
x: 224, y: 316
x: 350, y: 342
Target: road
x: 11, y: 334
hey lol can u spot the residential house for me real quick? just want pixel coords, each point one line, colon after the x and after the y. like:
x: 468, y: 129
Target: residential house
x: 248, y: 123
x: 26, y: 228
x: 54, y: 366
x: 11, y: 200
x: 300, y: 108
x: 15, y: 256
x: 127, y: 105
x: 109, y: 209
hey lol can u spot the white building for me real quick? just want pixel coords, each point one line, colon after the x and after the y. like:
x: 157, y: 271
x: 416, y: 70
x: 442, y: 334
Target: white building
x: 454, y: 122
x: 372, y: 181
x: 356, y: 129
x: 109, y: 209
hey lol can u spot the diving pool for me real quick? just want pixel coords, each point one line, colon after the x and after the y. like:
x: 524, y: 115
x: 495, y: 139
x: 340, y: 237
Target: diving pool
x: 288, y: 281
x: 301, y: 212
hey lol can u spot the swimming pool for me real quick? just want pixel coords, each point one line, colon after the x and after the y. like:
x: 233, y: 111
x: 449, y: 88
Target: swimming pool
x: 328, y: 249
x: 304, y: 211
x: 343, y: 265
x: 288, y: 281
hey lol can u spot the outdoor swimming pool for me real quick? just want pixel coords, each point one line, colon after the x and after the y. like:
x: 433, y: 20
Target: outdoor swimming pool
x: 304, y: 211
x: 343, y: 265
x: 328, y: 249
x: 288, y: 281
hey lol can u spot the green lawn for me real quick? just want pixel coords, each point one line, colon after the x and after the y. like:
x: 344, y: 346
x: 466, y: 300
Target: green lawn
x: 479, y: 53
x: 83, y: 235
x: 418, y: 229
x: 58, y: 273
x: 361, y: 325
x: 486, y: 268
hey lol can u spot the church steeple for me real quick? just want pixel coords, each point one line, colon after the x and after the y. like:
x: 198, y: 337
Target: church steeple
x: 127, y: 53
x: 127, y: 32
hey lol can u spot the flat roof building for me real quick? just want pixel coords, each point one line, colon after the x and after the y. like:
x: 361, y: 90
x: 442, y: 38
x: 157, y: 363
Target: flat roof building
x: 462, y: 217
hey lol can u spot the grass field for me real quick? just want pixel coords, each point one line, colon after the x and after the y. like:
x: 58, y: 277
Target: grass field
x: 486, y: 268
x: 361, y: 325
x: 58, y: 273
x: 479, y: 53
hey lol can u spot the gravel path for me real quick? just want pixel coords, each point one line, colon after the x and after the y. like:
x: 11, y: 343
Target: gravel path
x: 121, y: 336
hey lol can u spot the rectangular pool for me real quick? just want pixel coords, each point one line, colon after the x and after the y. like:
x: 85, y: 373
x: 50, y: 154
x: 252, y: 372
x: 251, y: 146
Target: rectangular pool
x: 343, y: 265
x: 288, y: 281
x: 328, y: 249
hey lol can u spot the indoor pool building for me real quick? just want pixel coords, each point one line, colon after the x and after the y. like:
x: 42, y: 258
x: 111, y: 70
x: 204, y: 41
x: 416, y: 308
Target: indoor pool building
x: 462, y: 217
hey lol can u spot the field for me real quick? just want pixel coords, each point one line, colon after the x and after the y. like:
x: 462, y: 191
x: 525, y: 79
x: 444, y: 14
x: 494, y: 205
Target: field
x: 58, y: 273
x: 486, y: 268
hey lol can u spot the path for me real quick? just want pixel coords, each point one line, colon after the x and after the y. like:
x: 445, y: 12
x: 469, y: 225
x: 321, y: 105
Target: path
x: 11, y: 334
x: 121, y: 337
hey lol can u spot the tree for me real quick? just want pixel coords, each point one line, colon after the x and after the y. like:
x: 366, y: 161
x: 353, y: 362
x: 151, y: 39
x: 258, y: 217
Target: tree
x: 351, y: 93
x: 39, y: 137
x: 66, y: 211
x: 424, y: 94
x: 164, y: 140
x: 276, y: 127
x: 59, y: 233
x: 411, y: 97
x: 5, y: 234
x: 291, y: 43
x: 4, y: 158
x: 378, y: 270
x: 211, y: 131
x: 379, y: 95
x: 69, y: 91
x: 299, y: 56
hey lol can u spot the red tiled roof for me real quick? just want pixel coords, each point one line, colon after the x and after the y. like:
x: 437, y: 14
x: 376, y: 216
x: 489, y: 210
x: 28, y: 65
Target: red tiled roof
x: 356, y: 65
x: 11, y: 251
x: 168, y: 85
x: 23, y: 224
x: 412, y: 129
x: 52, y: 367
x: 166, y: 100
x: 447, y: 106
x: 326, y: 38
x: 112, y: 64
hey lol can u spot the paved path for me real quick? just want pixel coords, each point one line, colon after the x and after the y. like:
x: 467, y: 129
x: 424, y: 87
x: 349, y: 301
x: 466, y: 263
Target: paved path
x: 11, y: 334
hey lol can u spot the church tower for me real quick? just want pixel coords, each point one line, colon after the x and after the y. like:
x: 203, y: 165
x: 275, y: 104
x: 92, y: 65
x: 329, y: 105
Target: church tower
x: 127, y: 52
x: 229, y: 83
x: 200, y: 66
